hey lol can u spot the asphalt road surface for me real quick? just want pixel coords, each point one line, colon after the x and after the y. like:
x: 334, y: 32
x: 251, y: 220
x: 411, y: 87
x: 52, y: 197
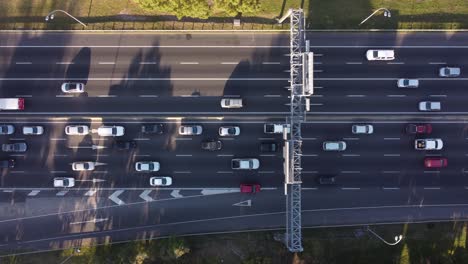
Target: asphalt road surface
x: 133, y: 79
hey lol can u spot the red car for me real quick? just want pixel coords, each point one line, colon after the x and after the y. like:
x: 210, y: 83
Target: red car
x: 435, y: 162
x: 250, y: 188
x: 419, y: 129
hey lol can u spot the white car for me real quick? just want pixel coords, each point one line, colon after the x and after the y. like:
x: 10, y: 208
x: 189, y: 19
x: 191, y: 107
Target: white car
x: 7, y: 129
x: 231, y: 103
x: 408, y: 83
x: 428, y: 144
x: 226, y: 131
x: 160, y: 181
x: 245, y: 164
x: 77, y: 130
x: 449, y: 72
x: 380, y: 55
x: 33, y: 130
x: 190, y: 130
x: 334, y: 146
x: 362, y: 129
x: 147, y: 166
x: 111, y: 131
x: 64, y: 182
x: 83, y: 166
x: 429, y: 106
x: 72, y: 87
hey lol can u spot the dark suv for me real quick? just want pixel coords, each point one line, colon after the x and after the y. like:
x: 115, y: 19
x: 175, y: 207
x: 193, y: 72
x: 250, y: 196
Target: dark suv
x: 152, y: 129
x: 211, y: 145
x: 125, y: 145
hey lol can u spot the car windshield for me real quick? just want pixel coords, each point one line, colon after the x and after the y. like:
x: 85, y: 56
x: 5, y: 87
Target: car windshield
x: 406, y: 82
x: 65, y: 182
x: 163, y: 181
x: 114, y: 131
x: 194, y: 129
x: 231, y: 130
x: 80, y: 129
x: 376, y: 53
x: 86, y: 166
x: 151, y: 166
x: 447, y: 71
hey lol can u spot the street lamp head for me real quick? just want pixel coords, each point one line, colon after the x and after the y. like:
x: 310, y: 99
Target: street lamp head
x: 52, y: 16
x: 47, y: 18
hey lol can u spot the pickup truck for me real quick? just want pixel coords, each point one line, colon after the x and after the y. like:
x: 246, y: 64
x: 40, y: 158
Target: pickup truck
x: 11, y: 103
x: 271, y: 128
x: 428, y: 144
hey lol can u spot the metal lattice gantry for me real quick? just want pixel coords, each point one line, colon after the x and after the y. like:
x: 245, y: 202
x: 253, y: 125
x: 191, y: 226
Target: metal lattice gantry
x: 301, y: 86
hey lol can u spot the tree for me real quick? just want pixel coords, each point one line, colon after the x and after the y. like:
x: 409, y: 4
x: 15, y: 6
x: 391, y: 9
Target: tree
x: 180, y: 8
x: 235, y: 7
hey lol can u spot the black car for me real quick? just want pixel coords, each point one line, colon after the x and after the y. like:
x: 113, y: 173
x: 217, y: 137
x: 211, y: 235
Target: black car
x: 15, y: 147
x: 9, y: 163
x: 269, y: 147
x: 211, y: 145
x: 152, y: 128
x: 326, y: 179
x: 125, y: 145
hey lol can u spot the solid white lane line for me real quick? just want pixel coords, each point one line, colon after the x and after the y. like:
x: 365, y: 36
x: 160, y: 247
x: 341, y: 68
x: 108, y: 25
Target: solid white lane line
x: 355, y: 95
x: 188, y: 62
x: 396, y: 62
x: 309, y: 155
x: 396, y: 95
x: 174, y: 79
x: 350, y: 138
x: 267, y: 155
x: 391, y: 188
x: 184, y: 155
x: 148, y: 95
x: 225, y: 155
x: 437, y: 63
x: 391, y: 155
x: 319, y: 104
x: 272, y: 95
x: 351, y: 155
x: 309, y: 188
x: 23, y: 95
x: 352, y: 63
x: 229, y: 62
x: 438, y: 95
x: 65, y: 63
x: 270, y: 62
x: 318, y: 87
x: 431, y: 188
x: 107, y: 62
x: 148, y: 62
x: 23, y: 63
x: 392, y: 138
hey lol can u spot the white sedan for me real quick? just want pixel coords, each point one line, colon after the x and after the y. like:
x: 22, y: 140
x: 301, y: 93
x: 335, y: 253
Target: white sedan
x: 380, y: 55
x: 64, y: 182
x: 190, y: 130
x: 77, y: 130
x: 33, y: 130
x: 83, y: 166
x: 147, y: 166
x: 111, y: 131
x: 72, y: 87
x: 160, y: 181
x: 229, y: 131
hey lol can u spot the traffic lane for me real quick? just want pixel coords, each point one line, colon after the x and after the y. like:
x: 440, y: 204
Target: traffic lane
x: 407, y: 56
x: 388, y: 87
x: 163, y: 218
x: 381, y: 69
x: 147, y: 88
x: 244, y: 69
x: 122, y: 106
x: 142, y: 39
x: 388, y: 131
x: 361, y: 104
x: 387, y: 39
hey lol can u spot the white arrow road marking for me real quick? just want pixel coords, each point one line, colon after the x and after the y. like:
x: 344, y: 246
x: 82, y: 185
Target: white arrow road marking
x: 33, y: 193
x: 218, y: 191
x: 62, y: 193
x: 144, y: 195
x: 91, y: 192
x: 96, y: 220
x: 176, y: 194
x: 244, y: 203
x: 115, y: 199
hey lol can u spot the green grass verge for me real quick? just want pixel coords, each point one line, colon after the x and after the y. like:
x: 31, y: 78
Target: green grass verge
x: 422, y: 243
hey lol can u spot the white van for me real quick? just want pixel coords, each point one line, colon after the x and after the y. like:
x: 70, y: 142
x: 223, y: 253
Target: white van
x: 231, y: 103
x: 11, y: 103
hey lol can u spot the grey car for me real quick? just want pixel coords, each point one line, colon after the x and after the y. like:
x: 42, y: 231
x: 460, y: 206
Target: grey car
x: 7, y: 129
x: 334, y: 145
x: 15, y: 147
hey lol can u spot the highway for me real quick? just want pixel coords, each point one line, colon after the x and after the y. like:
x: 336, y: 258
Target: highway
x: 177, y: 79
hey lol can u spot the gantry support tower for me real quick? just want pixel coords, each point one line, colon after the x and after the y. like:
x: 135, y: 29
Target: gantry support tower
x: 301, y: 86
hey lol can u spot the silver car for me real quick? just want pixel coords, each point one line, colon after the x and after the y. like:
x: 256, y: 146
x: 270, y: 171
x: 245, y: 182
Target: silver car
x: 77, y: 130
x: 7, y: 129
x: 362, y: 129
x: 408, y: 83
x: 190, y: 130
x: 429, y: 106
x: 334, y: 145
x: 72, y: 87
x: 161, y: 181
x: 226, y: 131
x: 33, y: 130
x: 147, y: 166
x: 449, y: 72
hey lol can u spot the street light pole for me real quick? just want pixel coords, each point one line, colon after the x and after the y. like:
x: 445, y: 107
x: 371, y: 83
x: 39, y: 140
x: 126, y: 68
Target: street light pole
x: 386, y: 14
x: 397, y: 238
x: 51, y: 16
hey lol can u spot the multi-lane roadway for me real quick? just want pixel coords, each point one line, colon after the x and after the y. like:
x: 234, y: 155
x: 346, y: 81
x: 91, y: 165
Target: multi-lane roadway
x: 134, y: 79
